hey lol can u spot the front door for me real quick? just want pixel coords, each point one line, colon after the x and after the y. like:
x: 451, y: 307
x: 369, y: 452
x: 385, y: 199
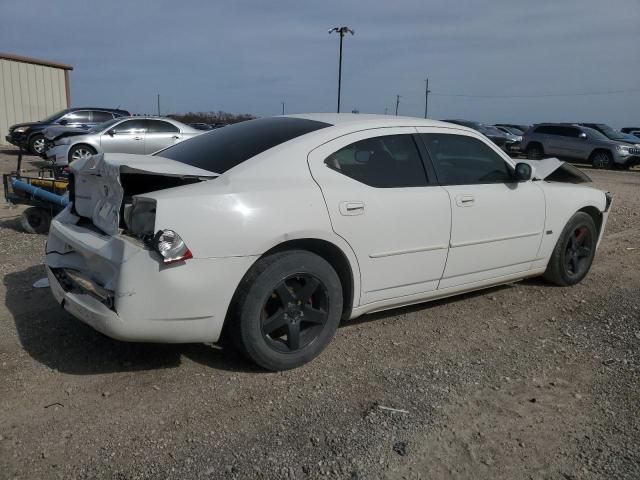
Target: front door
x: 125, y: 137
x: 381, y: 201
x: 497, y: 223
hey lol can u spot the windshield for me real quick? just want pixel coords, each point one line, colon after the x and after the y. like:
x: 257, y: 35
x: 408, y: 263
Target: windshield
x: 487, y: 130
x: 54, y: 116
x: 222, y: 149
x: 104, y: 125
x: 610, y: 132
x: 593, y: 133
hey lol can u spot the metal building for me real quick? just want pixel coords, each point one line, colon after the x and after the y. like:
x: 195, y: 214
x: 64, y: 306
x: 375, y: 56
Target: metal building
x: 31, y: 90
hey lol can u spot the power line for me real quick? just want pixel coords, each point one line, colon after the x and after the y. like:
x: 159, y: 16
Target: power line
x: 547, y: 95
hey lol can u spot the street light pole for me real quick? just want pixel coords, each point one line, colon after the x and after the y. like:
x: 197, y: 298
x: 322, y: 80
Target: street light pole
x: 282, y: 107
x: 342, y: 31
x: 397, y: 103
x: 426, y: 97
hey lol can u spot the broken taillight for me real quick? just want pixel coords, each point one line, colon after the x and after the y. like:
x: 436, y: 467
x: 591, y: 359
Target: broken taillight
x: 171, y: 247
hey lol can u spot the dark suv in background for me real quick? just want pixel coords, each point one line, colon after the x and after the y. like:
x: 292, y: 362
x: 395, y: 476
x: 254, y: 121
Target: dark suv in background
x: 30, y: 136
x: 578, y: 143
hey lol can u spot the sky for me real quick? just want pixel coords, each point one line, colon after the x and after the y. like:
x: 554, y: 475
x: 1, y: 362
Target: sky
x: 515, y: 61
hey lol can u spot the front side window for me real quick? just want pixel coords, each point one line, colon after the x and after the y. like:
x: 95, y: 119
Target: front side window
x: 464, y: 160
x: 79, y: 116
x: 390, y: 161
x: 131, y: 126
x: 160, y: 126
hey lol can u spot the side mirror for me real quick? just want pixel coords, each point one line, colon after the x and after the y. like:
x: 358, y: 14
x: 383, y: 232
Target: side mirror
x: 582, y: 135
x: 63, y: 122
x: 523, y: 172
x: 111, y: 132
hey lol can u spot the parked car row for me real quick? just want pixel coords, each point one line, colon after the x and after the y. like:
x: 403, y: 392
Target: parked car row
x: 207, y: 126
x: 139, y: 135
x: 503, y: 137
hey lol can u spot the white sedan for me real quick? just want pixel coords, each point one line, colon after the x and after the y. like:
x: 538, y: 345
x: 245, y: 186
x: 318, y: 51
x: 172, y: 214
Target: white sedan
x: 271, y: 231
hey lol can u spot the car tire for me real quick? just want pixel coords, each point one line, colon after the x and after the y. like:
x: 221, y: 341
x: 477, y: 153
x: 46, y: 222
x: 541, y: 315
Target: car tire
x: 534, y: 152
x: 36, y: 144
x: 80, y: 151
x: 601, y: 159
x: 574, y: 252
x: 35, y: 220
x: 287, y: 310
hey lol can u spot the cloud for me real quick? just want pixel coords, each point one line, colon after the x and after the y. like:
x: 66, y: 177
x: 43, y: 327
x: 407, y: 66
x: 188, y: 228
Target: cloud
x: 248, y: 56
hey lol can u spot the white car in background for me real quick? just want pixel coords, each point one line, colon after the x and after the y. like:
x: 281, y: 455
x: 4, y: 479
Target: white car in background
x: 139, y: 135
x: 273, y: 230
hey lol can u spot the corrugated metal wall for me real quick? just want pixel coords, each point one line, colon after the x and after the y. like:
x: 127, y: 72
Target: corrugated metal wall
x: 28, y: 93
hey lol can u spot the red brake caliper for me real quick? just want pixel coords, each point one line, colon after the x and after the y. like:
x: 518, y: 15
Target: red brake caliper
x: 581, y: 233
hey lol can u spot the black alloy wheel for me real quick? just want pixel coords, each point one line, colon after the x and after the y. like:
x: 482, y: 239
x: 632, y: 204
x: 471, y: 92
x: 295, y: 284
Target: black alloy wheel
x: 286, y: 309
x: 295, y: 313
x: 578, y: 252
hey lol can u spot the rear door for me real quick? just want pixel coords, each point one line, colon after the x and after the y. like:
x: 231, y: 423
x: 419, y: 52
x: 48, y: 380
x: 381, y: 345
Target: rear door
x: 160, y: 134
x: 497, y: 223
x: 125, y: 137
x: 384, y: 204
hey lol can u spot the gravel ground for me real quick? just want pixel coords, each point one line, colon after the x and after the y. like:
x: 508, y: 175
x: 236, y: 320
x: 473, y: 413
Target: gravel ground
x: 522, y: 381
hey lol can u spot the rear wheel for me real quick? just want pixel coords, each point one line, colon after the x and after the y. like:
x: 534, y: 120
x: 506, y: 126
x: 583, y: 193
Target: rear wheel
x: 35, y: 220
x: 573, y: 254
x: 601, y: 159
x: 80, y: 151
x: 287, y: 310
x: 36, y: 144
x: 534, y: 152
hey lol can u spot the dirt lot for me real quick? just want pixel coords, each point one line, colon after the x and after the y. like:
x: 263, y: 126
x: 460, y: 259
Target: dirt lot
x: 522, y: 381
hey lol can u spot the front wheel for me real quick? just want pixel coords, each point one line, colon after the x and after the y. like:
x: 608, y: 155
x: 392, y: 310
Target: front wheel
x: 36, y: 144
x: 80, y: 151
x: 534, y: 152
x: 287, y: 309
x: 573, y: 254
x: 602, y: 159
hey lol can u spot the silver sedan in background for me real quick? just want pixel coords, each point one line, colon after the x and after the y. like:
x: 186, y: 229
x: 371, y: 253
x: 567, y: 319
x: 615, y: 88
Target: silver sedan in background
x: 139, y: 135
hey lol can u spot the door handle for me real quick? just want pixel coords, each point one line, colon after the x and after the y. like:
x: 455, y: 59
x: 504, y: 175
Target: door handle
x: 137, y: 138
x: 354, y: 207
x: 176, y: 137
x: 465, y: 200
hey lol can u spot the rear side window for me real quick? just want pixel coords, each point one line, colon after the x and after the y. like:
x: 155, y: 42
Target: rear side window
x: 160, y: 126
x: 222, y: 149
x: 463, y: 160
x: 391, y: 161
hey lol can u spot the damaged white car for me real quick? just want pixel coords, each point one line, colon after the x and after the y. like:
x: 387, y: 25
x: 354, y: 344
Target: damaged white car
x: 273, y: 230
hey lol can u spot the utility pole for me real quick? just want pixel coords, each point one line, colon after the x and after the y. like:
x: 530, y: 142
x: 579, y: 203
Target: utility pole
x: 426, y: 97
x: 342, y: 31
x: 282, y: 107
x: 158, y: 104
x: 397, y: 103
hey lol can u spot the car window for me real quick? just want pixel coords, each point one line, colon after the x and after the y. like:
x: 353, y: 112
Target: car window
x: 390, y: 161
x: 131, y: 126
x: 79, y: 116
x: 100, y: 116
x: 569, y: 132
x: 224, y: 148
x: 464, y: 160
x: 160, y: 126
